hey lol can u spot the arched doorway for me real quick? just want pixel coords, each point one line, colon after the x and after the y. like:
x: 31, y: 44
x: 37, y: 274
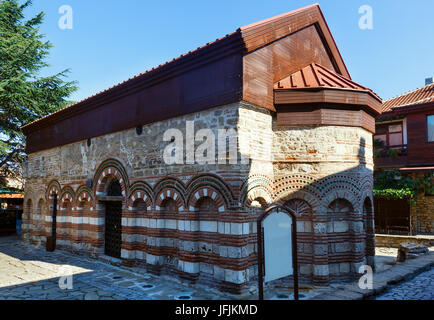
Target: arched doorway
x: 169, y: 210
x: 113, y: 220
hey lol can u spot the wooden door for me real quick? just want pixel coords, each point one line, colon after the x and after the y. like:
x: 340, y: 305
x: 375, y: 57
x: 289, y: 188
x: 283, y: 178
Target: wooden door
x: 113, y: 229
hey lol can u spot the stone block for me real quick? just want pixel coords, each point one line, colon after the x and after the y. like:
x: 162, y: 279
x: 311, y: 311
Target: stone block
x: 343, y: 247
x: 236, y: 276
x: 357, y: 227
x: 344, y: 267
x: 321, y: 270
x: 234, y: 252
x: 321, y: 249
x: 246, y: 228
x: 305, y: 269
x: 300, y: 226
x: 236, y: 229
x: 191, y: 267
x: 334, y: 269
x: 219, y: 273
x: 409, y: 250
x: 223, y: 251
x: 308, y: 226
x: 208, y: 226
x: 320, y: 227
x: 340, y: 226
x: 206, y: 268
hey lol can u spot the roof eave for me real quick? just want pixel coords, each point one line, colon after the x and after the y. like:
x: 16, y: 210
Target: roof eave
x: 409, y: 109
x: 358, y: 97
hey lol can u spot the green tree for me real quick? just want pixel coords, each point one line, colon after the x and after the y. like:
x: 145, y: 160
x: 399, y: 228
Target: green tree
x: 24, y: 95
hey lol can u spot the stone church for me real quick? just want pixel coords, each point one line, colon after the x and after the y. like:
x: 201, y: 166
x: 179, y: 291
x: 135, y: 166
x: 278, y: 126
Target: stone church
x: 97, y: 182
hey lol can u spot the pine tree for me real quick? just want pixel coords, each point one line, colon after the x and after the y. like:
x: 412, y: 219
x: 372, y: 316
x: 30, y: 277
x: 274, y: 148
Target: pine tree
x: 24, y: 95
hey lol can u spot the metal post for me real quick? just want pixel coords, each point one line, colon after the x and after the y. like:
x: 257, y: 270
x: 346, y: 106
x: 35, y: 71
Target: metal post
x: 53, y: 223
x: 294, y: 257
x: 260, y: 261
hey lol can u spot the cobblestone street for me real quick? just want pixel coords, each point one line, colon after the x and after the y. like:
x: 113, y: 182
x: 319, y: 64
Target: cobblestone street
x: 29, y: 272
x: 419, y: 288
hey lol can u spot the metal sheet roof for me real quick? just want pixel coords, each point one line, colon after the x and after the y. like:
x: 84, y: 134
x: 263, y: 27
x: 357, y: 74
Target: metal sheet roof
x: 419, y: 96
x: 309, y: 10
x: 315, y: 76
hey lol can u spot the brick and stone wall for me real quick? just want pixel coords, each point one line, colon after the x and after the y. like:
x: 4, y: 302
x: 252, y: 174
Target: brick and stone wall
x: 422, y: 215
x: 198, y: 221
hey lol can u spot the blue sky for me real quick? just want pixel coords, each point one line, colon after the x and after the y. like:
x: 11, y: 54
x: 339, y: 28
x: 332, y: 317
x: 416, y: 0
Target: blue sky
x: 114, y: 40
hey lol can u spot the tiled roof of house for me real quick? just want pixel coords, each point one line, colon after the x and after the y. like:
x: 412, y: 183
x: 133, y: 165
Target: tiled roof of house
x: 12, y: 196
x: 9, y: 194
x: 315, y: 76
x: 418, y: 96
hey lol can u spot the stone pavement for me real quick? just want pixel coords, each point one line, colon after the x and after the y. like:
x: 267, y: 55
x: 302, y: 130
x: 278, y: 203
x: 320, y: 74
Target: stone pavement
x: 387, y: 280
x: 30, y: 272
x: 419, y: 288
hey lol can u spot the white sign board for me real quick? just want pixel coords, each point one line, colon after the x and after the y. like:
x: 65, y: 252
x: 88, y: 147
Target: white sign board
x: 277, y: 246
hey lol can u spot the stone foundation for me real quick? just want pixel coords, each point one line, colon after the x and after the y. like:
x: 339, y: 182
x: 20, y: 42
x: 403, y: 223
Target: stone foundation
x: 385, y: 240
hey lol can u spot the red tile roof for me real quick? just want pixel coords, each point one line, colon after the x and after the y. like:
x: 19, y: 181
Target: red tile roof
x: 12, y: 196
x: 315, y: 76
x: 418, y: 96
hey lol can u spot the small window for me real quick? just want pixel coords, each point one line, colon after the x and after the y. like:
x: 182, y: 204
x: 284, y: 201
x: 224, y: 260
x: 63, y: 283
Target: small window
x: 430, y: 128
x: 395, y: 128
x: 395, y: 139
x: 390, y: 134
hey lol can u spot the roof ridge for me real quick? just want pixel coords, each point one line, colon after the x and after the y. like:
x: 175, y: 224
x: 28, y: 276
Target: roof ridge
x: 279, y: 16
x: 324, y: 76
x: 409, y: 92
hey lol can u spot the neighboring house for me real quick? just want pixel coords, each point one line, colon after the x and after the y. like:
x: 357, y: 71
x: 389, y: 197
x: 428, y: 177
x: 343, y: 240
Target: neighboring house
x: 97, y: 180
x: 406, y: 130
x: 11, y: 210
